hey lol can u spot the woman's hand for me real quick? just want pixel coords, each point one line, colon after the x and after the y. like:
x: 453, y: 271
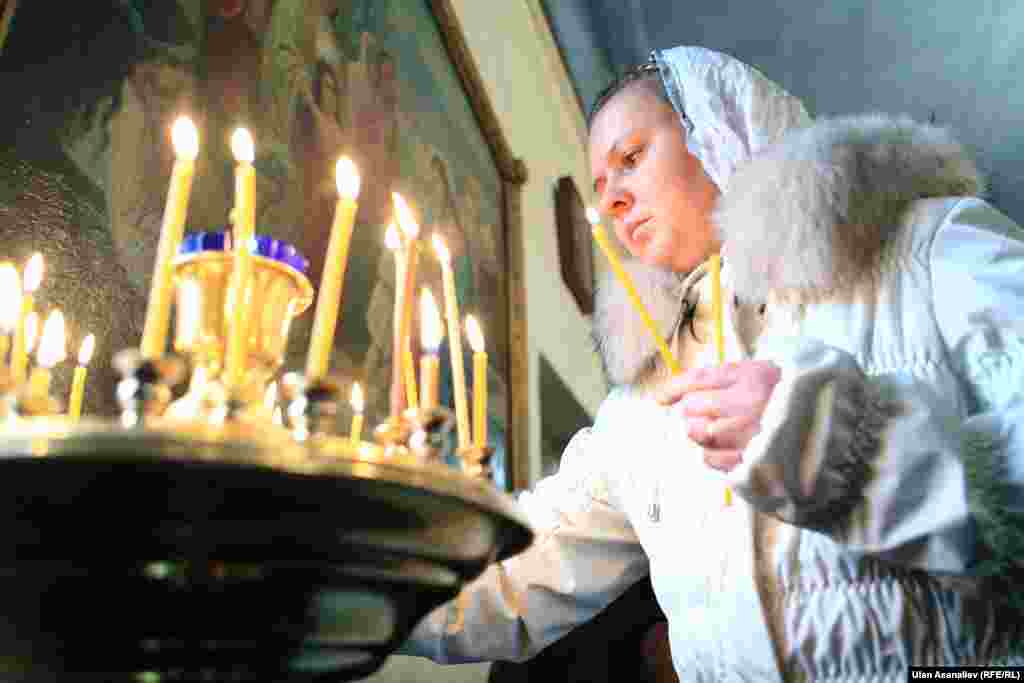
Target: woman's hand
x: 723, y: 406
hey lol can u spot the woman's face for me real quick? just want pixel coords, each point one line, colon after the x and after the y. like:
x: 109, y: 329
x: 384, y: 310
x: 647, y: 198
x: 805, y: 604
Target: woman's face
x: 648, y: 181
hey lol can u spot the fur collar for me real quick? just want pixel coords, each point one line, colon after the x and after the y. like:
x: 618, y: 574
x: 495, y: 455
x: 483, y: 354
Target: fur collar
x: 622, y: 341
x: 808, y: 217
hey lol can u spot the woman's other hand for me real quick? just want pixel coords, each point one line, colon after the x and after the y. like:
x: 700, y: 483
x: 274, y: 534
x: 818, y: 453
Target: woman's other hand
x: 722, y: 406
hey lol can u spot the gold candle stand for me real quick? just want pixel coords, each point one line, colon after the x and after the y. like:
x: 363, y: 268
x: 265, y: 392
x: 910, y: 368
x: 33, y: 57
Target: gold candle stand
x: 277, y: 294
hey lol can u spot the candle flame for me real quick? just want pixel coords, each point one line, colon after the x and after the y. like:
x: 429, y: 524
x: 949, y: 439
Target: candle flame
x: 10, y: 298
x: 31, y: 330
x: 85, y: 351
x: 392, y: 239
x: 242, y: 146
x: 347, y: 178
x: 475, y: 334
x: 185, y: 138
x: 593, y: 217
x: 441, y: 248
x: 34, y: 273
x: 52, y: 344
x: 406, y: 220
x: 357, y: 397
x: 433, y: 328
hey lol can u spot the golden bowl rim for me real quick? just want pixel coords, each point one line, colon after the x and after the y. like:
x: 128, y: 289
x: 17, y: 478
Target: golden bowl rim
x: 305, y: 287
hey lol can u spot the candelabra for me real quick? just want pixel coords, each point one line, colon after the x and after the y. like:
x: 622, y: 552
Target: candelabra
x: 201, y: 539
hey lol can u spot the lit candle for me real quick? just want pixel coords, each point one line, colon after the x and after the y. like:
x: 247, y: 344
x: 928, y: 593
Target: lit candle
x: 409, y: 370
x: 10, y: 307
x: 270, y: 397
x: 185, y: 138
x: 476, y: 341
x: 31, y: 332
x: 328, y: 302
x: 411, y: 230
x: 627, y: 282
x: 33, y: 277
x: 451, y: 306
x: 244, y: 231
x: 715, y: 273
x: 51, y: 351
x: 355, y: 434
x: 78, y: 382
x: 393, y: 241
x: 432, y: 331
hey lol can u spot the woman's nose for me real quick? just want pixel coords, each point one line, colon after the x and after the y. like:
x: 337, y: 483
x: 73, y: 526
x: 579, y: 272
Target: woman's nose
x: 615, y: 201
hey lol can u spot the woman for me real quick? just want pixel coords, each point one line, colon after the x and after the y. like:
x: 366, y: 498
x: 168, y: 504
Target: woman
x: 866, y: 419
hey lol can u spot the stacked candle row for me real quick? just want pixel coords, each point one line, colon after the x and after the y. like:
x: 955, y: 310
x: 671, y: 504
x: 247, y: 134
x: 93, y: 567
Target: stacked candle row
x: 403, y: 240
x: 20, y: 336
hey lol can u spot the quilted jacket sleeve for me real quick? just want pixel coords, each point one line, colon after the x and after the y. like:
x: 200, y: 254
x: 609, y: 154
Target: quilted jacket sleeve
x: 891, y: 464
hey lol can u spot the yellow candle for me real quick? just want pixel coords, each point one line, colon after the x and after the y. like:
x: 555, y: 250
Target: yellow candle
x: 33, y: 277
x: 627, y: 282
x: 31, y: 331
x: 39, y: 382
x: 31, y: 337
x: 355, y: 435
x: 244, y: 231
x: 411, y: 229
x: 393, y: 241
x: 158, y: 311
x: 270, y: 397
x: 451, y: 306
x: 332, y: 282
x: 10, y: 307
x: 51, y: 351
x: 476, y: 341
x: 409, y: 370
x: 433, y: 331
x: 715, y: 272
x: 78, y: 382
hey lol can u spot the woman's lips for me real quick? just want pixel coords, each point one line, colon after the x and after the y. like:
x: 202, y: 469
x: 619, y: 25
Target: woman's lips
x: 638, y: 231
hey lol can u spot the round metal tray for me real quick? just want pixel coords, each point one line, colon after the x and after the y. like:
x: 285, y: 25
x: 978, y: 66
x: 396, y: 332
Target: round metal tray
x: 194, y: 552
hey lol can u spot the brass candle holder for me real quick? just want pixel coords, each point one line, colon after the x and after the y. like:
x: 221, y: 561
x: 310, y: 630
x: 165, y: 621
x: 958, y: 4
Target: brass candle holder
x: 430, y: 429
x: 278, y: 292
x: 312, y: 406
x: 393, y: 434
x: 476, y: 461
x: 144, y: 391
x: 416, y: 432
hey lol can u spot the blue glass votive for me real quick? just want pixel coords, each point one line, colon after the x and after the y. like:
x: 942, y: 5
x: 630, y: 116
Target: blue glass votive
x: 262, y: 245
x: 288, y: 254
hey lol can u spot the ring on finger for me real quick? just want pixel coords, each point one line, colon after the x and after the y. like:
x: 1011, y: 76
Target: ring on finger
x: 710, y: 432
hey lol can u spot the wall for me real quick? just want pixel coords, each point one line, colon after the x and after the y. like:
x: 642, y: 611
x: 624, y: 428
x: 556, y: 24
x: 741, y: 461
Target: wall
x: 541, y: 118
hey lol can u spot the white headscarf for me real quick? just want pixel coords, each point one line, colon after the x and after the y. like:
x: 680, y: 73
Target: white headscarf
x: 730, y: 110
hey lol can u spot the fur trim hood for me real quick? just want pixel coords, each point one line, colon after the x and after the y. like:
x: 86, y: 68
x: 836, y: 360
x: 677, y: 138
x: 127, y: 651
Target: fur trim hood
x: 808, y: 216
